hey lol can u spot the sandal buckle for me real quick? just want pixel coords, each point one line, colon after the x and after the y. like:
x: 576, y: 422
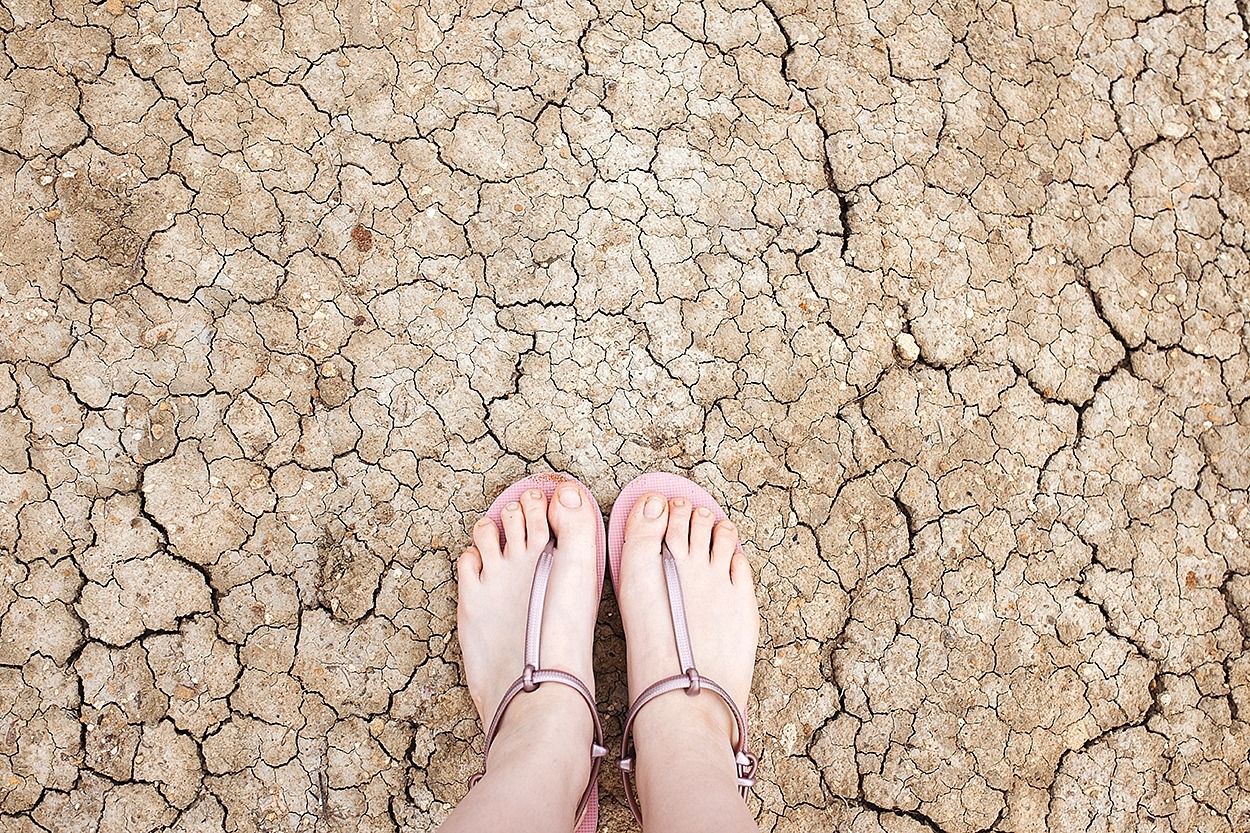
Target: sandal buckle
x: 527, y: 679
x: 695, y: 685
x: 747, y: 764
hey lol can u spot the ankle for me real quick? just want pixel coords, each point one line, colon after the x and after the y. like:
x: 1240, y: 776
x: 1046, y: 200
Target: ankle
x: 703, y: 718
x: 540, y: 757
x: 696, y: 731
x: 550, y: 726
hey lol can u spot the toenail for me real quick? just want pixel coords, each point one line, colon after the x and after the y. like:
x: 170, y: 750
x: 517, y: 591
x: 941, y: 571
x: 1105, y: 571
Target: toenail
x: 535, y: 494
x: 704, y: 512
x: 571, y: 497
x: 512, y: 507
x: 484, y: 522
x: 654, y: 507
x: 679, y: 502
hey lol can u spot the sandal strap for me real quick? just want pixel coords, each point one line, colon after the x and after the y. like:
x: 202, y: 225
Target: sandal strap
x: 677, y: 607
x: 693, y: 683
x: 533, y: 676
x: 538, y: 598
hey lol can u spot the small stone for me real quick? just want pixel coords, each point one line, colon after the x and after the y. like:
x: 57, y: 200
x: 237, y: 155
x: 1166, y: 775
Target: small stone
x: 908, y: 349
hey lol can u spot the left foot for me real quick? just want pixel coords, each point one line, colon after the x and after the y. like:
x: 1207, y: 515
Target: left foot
x: 494, y: 585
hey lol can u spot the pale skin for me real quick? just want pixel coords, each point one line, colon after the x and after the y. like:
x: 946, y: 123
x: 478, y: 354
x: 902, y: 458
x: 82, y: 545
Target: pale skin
x: 539, y: 763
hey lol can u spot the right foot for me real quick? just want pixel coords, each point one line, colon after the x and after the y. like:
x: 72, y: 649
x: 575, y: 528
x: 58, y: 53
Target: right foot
x: 721, y: 611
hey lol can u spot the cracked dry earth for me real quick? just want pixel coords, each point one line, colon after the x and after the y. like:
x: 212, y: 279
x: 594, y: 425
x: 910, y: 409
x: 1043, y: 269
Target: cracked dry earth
x: 946, y: 300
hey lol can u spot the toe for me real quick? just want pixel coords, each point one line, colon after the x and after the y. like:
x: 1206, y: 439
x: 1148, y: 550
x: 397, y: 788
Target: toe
x: 647, y: 521
x: 644, y: 528
x: 678, y: 535
x: 513, y: 519
x: 571, y: 517
x: 724, y: 544
x: 534, y: 507
x: 740, y: 570
x: 701, y: 523
x: 486, y: 540
x: 469, y: 566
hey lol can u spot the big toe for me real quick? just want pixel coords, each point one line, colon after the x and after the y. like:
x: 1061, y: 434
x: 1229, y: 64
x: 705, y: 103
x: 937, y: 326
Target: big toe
x: 647, y: 522
x: 641, y: 577
x: 573, y: 516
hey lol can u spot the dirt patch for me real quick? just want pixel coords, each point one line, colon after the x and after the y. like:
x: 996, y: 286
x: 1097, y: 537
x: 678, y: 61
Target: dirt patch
x: 947, y: 304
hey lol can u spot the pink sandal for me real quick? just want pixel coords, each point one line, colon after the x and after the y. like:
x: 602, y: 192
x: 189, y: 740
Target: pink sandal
x: 534, y: 674
x: 671, y: 486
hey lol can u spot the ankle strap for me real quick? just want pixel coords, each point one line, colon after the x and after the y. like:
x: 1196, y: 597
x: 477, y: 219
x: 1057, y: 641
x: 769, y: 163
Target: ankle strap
x: 693, y: 683
x: 533, y: 676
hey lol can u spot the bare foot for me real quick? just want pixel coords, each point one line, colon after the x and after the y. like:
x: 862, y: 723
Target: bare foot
x: 494, y: 585
x: 723, y: 619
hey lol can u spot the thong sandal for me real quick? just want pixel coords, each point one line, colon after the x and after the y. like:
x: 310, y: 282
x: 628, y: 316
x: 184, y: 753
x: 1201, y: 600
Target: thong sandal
x: 534, y: 675
x: 671, y: 486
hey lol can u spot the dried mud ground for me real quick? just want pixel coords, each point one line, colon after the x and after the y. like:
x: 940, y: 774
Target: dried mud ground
x: 946, y: 301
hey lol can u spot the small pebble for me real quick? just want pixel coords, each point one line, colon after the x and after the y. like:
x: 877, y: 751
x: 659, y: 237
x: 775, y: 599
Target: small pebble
x: 907, y: 348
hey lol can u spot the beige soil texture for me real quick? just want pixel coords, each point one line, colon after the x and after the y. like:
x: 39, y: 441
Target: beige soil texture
x: 947, y: 301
